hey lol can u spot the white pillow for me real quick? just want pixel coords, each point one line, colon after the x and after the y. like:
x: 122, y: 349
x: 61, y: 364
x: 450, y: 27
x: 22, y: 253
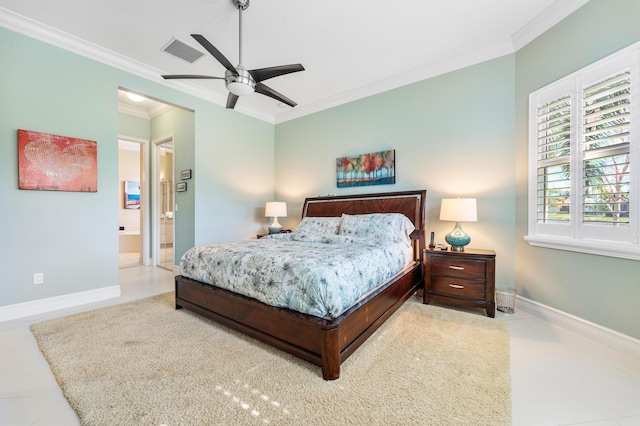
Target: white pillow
x: 319, y: 225
x: 391, y: 227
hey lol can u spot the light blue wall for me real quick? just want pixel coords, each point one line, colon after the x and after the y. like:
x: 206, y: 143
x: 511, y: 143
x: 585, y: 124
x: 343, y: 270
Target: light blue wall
x: 180, y: 124
x: 72, y: 237
x: 463, y: 133
x: 235, y: 170
x: 469, y: 118
x: 600, y: 289
x: 134, y: 127
x: 453, y: 135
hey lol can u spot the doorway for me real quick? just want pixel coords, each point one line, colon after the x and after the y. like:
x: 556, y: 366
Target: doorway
x: 158, y: 233
x: 131, y: 202
x: 164, y: 231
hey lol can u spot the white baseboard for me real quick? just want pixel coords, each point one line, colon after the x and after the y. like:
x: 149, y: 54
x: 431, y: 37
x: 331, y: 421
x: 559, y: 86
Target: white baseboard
x: 41, y: 306
x: 611, y: 338
x: 605, y: 336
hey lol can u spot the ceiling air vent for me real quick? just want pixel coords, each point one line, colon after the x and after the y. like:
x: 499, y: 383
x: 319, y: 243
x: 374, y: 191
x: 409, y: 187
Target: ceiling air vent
x: 182, y: 50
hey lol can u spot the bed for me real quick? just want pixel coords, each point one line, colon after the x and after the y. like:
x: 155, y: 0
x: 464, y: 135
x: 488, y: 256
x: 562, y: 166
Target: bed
x: 322, y: 339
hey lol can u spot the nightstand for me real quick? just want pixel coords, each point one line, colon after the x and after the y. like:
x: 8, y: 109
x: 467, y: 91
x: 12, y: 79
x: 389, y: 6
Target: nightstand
x: 461, y: 278
x: 284, y: 231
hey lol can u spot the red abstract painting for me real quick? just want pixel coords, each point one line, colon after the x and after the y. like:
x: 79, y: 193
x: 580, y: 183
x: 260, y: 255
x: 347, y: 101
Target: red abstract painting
x: 56, y: 163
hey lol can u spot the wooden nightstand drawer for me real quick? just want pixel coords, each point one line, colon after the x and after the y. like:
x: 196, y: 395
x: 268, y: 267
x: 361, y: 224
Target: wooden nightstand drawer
x: 461, y: 278
x: 457, y: 267
x: 457, y: 287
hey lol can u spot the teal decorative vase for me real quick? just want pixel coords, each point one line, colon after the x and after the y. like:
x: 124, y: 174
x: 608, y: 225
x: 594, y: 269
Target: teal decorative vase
x: 275, y: 227
x: 457, y: 238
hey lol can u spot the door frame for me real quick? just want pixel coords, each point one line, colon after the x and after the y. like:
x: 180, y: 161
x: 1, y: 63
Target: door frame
x: 145, y: 238
x: 155, y: 190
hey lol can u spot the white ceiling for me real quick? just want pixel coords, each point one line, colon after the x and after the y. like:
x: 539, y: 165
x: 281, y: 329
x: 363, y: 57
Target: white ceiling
x: 350, y: 49
x: 146, y: 108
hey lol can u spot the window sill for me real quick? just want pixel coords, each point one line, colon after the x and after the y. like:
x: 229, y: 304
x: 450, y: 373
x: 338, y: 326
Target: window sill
x: 611, y: 249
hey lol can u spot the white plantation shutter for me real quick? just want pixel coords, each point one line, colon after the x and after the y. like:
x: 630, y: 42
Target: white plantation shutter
x: 606, y: 151
x: 554, y: 158
x: 584, y: 180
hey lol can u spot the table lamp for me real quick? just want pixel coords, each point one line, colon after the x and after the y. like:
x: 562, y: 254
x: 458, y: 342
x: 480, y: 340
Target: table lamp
x: 458, y: 210
x: 275, y: 209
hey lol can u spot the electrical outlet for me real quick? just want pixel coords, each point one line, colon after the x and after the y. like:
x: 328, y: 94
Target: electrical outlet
x: 38, y: 278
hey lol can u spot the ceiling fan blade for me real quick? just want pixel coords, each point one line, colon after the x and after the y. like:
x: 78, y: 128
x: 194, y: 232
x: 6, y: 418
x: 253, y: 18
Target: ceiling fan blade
x: 231, y: 100
x: 262, y: 74
x: 178, y: 76
x: 215, y: 52
x: 268, y: 91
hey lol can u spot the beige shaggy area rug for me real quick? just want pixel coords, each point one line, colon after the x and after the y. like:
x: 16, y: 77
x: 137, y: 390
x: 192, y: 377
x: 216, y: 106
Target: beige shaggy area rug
x: 146, y: 363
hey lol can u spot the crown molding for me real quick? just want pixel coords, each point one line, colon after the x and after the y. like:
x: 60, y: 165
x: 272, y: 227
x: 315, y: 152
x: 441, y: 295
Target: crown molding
x: 536, y: 27
x: 399, y: 80
x: 54, y: 37
x: 133, y: 111
x: 159, y: 109
x: 544, y: 21
x: 541, y: 23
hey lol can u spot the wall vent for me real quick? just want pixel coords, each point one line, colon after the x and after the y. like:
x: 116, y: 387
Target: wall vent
x: 182, y: 50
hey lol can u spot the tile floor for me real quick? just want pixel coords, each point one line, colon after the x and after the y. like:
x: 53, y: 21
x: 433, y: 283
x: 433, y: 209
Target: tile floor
x: 558, y: 377
x: 129, y: 259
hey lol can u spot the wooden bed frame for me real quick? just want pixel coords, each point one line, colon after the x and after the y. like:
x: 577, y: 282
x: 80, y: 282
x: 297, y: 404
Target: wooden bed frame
x: 321, y: 341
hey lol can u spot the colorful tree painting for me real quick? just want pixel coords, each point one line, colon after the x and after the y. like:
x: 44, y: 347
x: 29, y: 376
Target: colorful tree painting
x: 376, y: 168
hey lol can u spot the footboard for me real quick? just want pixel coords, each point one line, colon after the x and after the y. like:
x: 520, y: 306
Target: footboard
x: 299, y: 334
x: 323, y: 342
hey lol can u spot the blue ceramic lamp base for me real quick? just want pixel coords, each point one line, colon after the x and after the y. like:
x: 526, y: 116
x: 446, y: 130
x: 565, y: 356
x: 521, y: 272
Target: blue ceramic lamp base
x: 275, y: 227
x: 457, y: 238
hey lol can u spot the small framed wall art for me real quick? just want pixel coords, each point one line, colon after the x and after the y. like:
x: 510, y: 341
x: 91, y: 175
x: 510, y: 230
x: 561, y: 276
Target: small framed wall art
x: 185, y: 174
x: 181, y: 187
x: 131, y: 194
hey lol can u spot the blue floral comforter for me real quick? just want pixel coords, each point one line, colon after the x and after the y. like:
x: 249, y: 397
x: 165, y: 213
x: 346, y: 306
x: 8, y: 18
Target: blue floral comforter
x: 316, y: 275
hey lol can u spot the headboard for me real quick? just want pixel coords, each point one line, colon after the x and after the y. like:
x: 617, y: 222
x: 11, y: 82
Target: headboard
x: 409, y: 203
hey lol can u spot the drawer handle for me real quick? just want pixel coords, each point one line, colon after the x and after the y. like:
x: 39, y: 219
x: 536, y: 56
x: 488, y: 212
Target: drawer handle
x: 456, y: 286
x: 457, y: 268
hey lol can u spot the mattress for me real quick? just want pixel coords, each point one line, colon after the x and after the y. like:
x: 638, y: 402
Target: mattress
x: 316, y: 275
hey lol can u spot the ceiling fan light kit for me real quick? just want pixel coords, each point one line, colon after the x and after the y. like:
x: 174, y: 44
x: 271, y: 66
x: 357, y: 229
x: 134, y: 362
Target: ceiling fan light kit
x: 241, y: 4
x: 240, y: 84
x: 238, y: 80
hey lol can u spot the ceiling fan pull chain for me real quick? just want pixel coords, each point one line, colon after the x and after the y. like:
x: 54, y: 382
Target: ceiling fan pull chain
x: 240, y: 36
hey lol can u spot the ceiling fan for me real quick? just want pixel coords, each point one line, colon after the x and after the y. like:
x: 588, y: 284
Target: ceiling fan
x: 239, y: 80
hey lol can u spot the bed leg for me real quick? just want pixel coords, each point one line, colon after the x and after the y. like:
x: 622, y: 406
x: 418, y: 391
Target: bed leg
x: 176, y: 279
x: 331, y: 355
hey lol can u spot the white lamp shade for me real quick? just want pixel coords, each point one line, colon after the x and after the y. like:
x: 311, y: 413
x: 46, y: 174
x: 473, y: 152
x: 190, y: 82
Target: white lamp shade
x: 275, y: 209
x: 459, y: 210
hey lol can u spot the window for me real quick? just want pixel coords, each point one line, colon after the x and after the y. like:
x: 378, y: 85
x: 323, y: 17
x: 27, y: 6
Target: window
x: 583, y: 159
